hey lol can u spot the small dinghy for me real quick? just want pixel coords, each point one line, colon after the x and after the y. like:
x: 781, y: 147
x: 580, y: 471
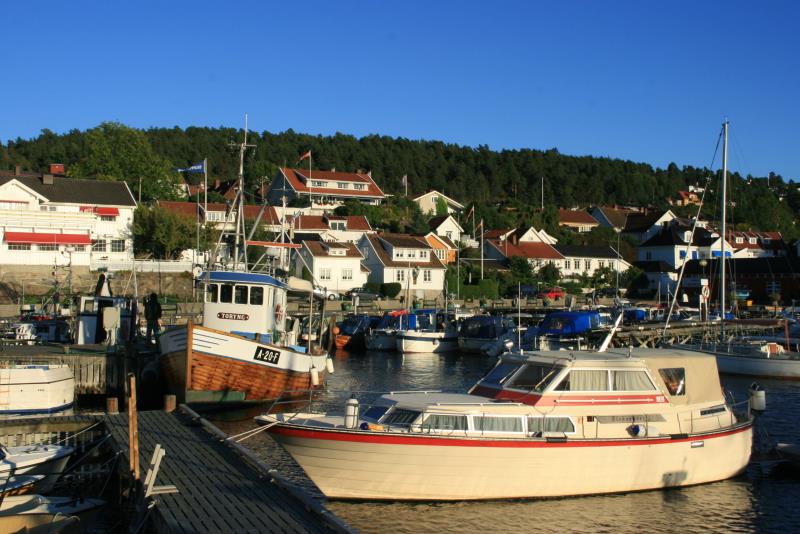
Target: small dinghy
x: 48, y: 460
x: 36, y: 513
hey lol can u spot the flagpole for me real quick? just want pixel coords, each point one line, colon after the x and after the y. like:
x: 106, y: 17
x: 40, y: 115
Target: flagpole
x: 480, y: 244
x: 205, y: 188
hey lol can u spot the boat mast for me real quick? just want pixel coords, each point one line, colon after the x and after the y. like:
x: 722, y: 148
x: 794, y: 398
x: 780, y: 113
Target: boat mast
x: 240, y: 204
x: 724, y: 217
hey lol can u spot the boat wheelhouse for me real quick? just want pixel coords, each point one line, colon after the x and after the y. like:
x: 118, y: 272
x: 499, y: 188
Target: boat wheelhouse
x: 545, y: 424
x: 428, y: 331
x: 384, y: 335
x: 242, y: 352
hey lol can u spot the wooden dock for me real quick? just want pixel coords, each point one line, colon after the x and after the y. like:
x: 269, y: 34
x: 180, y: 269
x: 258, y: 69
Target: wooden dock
x: 219, y: 490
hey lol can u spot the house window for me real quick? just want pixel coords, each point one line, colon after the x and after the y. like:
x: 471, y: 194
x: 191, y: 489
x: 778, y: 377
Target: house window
x: 682, y: 254
x: 325, y: 274
x: 99, y: 245
x: 19, y: 246
x: 342, y: 185
x: 440, y: 253
x: 47, y: 246
x: 426, y: 275
x: 347, y: 274
x: 601, y: 263
x: 739, y: 240
x: 567, y: 265
x: 359, y: 187
x: 108, y: 218
x: 587, y: 264
x: 752, y: 240
x: 118, y: 245
x: 648, y: 255
x: 400, y: 276
x: 449, y: 234
x: 423, y: 254
x: 317, y: 183
x: 400, y: 253
x: 412, y: 254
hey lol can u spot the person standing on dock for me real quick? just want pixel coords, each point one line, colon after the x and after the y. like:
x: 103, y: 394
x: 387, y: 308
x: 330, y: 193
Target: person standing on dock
x: 152, y: 313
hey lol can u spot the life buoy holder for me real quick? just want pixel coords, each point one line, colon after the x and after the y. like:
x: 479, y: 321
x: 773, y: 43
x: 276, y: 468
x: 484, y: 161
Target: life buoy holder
x: 278, y: 313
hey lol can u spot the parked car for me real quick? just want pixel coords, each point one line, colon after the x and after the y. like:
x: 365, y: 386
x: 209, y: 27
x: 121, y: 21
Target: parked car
x: 363, y: 293
x: 321, y: 293
x: 552, y: 293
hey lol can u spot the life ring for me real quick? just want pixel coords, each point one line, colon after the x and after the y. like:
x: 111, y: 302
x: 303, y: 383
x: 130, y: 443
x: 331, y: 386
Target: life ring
x: 278, y: 313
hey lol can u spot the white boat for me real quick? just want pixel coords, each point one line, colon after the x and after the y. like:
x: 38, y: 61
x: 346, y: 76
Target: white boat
x: 36, y: 513
x: 27, y: 389
x: 545, y: 424
x: 427, y: 331
x: 47, y: 460
x: 478, y: 331
x: 384, y: 336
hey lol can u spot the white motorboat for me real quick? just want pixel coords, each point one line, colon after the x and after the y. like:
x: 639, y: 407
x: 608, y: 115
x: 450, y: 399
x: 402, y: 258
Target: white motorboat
x: 544, y: 424
x: 47, y: 460
x: 764, y: 359
x: 36, y: 513
x: 384, y: 335
x: 427, y: 331
x: 479, y: 332
x: 27, y: 389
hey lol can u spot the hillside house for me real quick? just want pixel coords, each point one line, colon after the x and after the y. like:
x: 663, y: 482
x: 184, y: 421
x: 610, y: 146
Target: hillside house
x: 578, y: 220
x: 429, y: 201
x: 325, y: 190
x: 406, y: 259
x: 334, y: 266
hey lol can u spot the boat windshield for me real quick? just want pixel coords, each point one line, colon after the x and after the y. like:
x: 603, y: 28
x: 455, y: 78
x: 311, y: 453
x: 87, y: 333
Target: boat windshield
x: 500, y: 373
x: 536, y: 377
x: 400, y: 417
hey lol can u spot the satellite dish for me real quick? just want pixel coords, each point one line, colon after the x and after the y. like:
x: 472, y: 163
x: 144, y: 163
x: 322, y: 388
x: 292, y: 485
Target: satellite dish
x: 197, y: 271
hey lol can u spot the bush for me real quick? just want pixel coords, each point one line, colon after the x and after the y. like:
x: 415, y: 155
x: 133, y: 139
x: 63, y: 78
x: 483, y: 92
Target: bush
x: 484, y: 289
x: 391, y: 290
x: 375, y: 287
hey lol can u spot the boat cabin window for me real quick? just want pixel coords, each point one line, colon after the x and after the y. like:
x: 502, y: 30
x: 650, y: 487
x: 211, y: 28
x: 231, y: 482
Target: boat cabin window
x: 240, y: 295
x: 212, y: 292
x: 400, y: 417
x: 375, y: 412
x: 675, y: 380
x: 485, y: 423
x: 535, y: 377
x: 88, y: 306
x: 444, y: 422
x: 584, y: 380
x: 631, y: 381
x: 256, y: 296
x: 226, y: 293
x: 501, y: 372
x: 541, y: 424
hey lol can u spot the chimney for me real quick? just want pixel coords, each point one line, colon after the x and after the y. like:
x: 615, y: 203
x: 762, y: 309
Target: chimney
x: 47, y: 179
x: 57, y: 168
x: 333, y: 169
x: 369, y: 173
x: 17, y: 170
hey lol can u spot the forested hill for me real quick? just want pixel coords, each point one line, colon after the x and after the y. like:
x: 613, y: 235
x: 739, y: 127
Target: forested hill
x: 114, y: 151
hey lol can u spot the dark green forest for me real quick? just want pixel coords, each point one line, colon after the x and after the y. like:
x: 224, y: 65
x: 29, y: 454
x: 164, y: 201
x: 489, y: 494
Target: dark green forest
x: 505, y: 185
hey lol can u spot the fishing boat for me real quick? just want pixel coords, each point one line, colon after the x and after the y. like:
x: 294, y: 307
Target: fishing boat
x: 384, y: 335
x: 36, y: 513
x: 428, y: 331
x: 28, y: 389
x: 539, y: 424
x: 243, y: 351
x: 353, y: 331
x: 47, y: 460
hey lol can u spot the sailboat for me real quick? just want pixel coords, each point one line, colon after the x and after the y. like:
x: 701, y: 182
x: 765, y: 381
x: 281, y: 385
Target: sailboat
x: 744, y: 357
x: 243, y: 351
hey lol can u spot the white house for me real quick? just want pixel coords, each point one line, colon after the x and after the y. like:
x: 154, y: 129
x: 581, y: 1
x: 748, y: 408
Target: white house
x: 406, y: 259
x: 52, y: 220
x: 446, y: 226
x: 429, y: 201
x: 672, y: 246
x: 345, y: 229
x: 751, y: 244
x: 334, y: 266
x: 325, y: 189
x: 584, y: 259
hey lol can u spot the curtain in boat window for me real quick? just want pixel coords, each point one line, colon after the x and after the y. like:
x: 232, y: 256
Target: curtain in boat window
x: 550, y: 424
x: 445, y: 422
x: 497, y: 424
x: 631, y: 381
x: 584, y: 380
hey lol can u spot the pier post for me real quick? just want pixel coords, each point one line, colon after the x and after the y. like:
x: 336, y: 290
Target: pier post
x: 169, y: 403
x: 133, y: 428
x: 112, y: 405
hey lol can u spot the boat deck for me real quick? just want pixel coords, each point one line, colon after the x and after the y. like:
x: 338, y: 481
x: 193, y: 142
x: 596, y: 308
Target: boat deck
x: 219, y: 490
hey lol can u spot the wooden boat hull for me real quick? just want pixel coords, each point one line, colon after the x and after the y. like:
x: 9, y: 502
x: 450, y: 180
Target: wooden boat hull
x: 391, y: 466
x: 203, y: 365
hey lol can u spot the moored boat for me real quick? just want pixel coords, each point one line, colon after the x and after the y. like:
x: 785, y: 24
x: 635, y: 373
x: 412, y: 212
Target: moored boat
x: 384, y: 335
x: 479, y: 330
x: 427, y: 331
x: 36, y: 513
x: 28, y: 389
x: 47, y: 460
x: 545, y: 424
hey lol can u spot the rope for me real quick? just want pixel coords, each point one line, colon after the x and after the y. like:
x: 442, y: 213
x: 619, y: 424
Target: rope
x: 250, y: 433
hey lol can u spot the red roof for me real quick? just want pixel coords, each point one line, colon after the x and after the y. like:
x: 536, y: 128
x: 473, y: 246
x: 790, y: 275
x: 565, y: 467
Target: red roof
x: 47, y: 239
x: 575, y: 217
x: 764, y: 240
x: 321, y: 222
x: 299, y: 178
x: 526, y: 249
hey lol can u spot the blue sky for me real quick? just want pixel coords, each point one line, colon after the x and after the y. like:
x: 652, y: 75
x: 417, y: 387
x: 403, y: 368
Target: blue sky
x: 646, y: 81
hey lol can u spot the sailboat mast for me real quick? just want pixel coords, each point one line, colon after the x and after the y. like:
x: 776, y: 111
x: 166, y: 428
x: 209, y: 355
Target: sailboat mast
x: 240, y: 231
x: 724, y: 218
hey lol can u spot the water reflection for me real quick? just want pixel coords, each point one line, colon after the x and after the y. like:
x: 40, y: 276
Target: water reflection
x: 761, y: 500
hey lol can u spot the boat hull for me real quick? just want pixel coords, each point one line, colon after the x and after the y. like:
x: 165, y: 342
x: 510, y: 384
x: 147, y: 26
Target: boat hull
x: 473, y: 344
x: 427, y: 342
x: 380, y: 340
x: 36, y: 389
x: 203, y: 365
x: 386, y: 466
x: 758, y: 366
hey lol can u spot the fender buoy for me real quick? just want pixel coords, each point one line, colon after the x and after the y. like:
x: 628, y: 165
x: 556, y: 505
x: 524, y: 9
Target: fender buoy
x: 278, y: 313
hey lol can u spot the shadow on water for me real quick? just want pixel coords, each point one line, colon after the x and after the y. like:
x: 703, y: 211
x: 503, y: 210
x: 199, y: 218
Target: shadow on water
x: 763, y: 499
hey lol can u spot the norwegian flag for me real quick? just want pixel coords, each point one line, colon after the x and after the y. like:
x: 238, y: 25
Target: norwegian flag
x: 304, y: 156
x: 480, y: 225
x: 470, y: 213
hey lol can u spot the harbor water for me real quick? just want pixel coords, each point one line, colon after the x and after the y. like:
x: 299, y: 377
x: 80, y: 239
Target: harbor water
x: 763, y: 499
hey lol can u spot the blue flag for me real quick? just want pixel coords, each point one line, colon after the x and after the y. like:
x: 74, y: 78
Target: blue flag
x: 197, y: 167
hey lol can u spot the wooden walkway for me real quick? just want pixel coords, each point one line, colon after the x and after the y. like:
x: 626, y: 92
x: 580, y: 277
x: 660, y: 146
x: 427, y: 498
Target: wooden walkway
x: 219, y: 491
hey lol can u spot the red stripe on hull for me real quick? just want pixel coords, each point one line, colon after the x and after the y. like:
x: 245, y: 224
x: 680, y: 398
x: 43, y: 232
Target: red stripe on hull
x: 444, y: 441
x: 210, y: 373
